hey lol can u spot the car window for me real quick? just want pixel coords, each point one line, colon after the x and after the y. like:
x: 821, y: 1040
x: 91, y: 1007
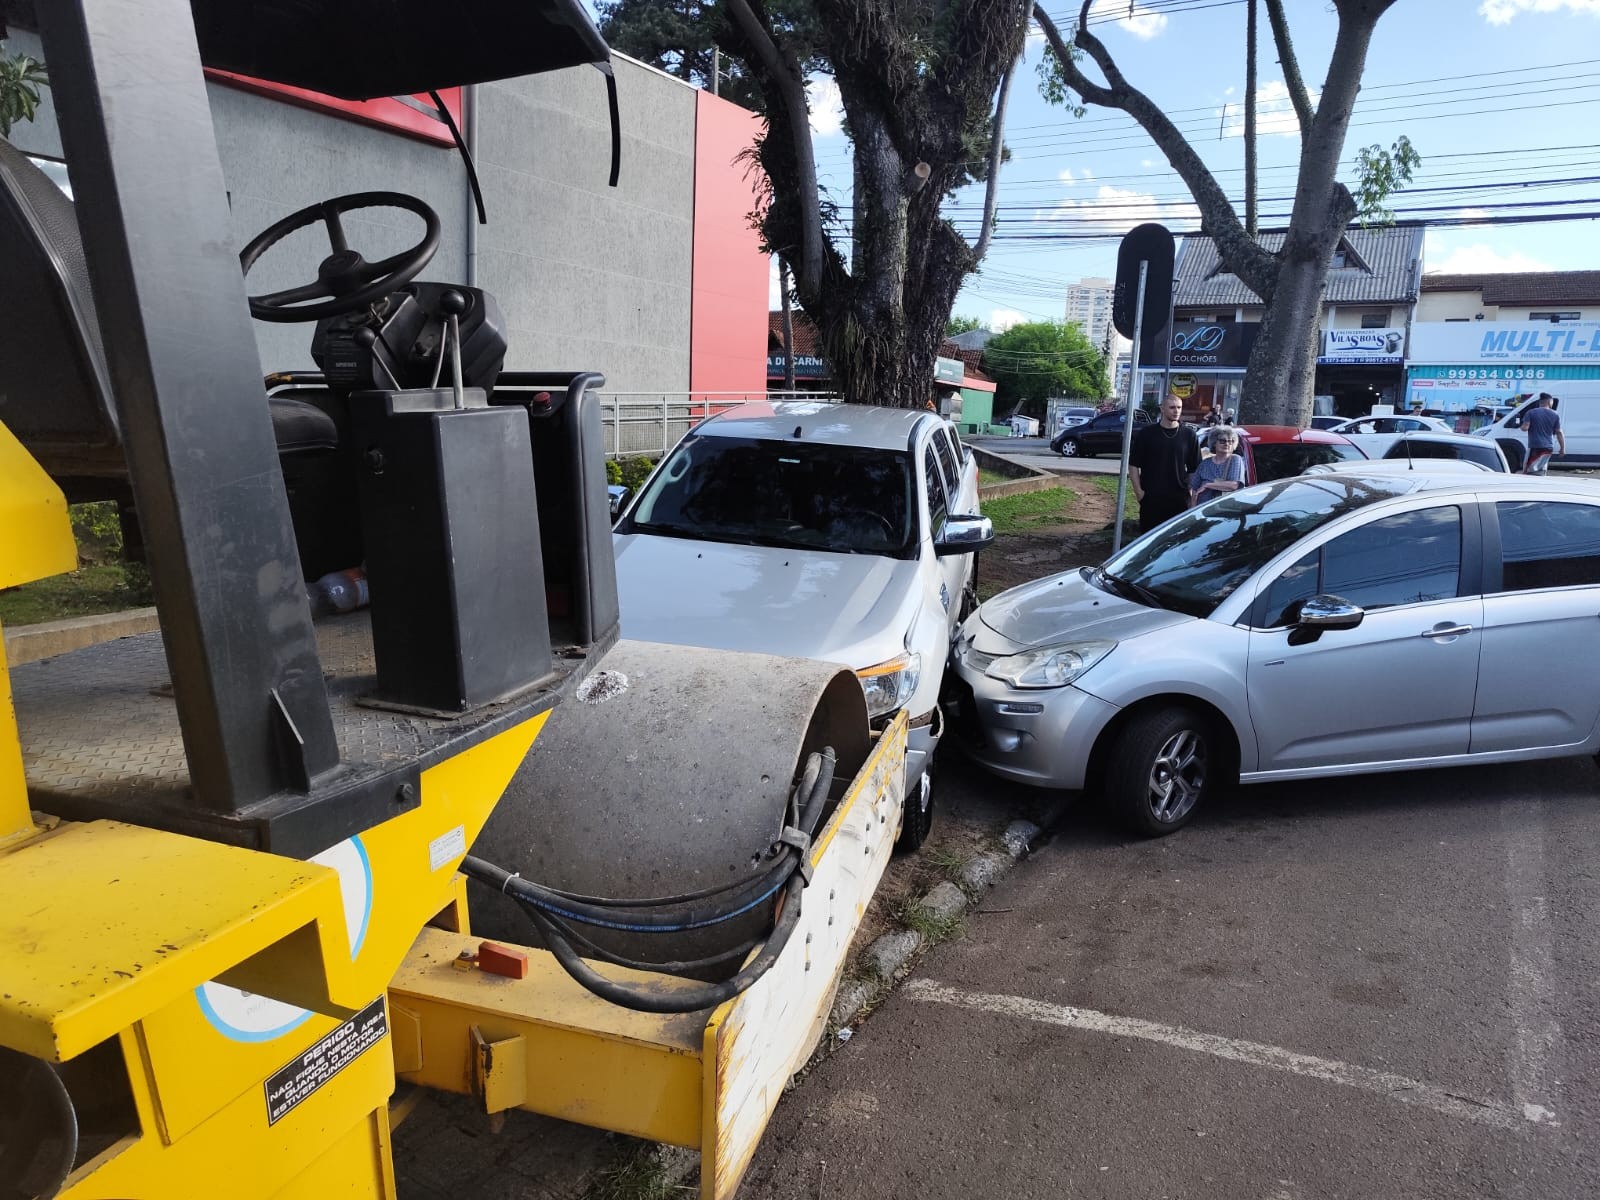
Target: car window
x: 1405, y: 559
x: 947, y: 461
x: 1546, y: 545
x: 812, y: 495
x: 1280, y: 461
x: 938, y: 497
x: 1195, y: 561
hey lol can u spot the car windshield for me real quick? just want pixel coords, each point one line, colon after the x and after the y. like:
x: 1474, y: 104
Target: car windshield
x: 1195, y: 561
x: 847, y: 499
x: 1281, y: 460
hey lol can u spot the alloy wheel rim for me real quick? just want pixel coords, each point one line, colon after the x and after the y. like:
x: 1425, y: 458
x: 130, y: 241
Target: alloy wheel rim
x: 1177, y: 776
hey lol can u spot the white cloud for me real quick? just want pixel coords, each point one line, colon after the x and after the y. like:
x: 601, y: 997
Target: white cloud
x: 1501, y: 12
x: 1274, y: 112
x: 1065, y: 175
x: 1130, y: 17
x: 827, y: 109
x: 1227, y: 91
x: 1147, y: 162
x: 1002, y: 319
x: 774, y: 285
x: 1115, y: 210
x: 1033, y: 48
x: 1478, y: 259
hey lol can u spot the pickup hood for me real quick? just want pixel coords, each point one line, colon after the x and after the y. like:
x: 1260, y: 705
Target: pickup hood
x: 1060, y: 608
x: 846, y: 608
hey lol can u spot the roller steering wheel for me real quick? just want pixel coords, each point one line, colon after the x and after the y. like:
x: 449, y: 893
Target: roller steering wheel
x: 345, y: 281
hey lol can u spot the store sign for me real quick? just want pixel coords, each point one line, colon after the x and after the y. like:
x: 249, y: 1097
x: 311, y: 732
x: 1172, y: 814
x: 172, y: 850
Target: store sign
x: 949, y: 370
x: 806, y: 366
x: 1505, y: 342
x: 1363, y: 346
x: 1462, y: 389
x: 1210, y: 347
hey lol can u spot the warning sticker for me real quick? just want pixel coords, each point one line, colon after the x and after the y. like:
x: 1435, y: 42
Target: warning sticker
x: 286, y: 1087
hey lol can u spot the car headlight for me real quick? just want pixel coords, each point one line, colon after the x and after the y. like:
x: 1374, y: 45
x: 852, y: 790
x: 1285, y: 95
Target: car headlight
x: 889, y: 685
x: 1048, y: 666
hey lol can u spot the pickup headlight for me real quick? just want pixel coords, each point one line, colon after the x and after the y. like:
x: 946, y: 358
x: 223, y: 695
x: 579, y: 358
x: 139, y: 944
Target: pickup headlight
x: 889, y: 685
x: 1048, y: 666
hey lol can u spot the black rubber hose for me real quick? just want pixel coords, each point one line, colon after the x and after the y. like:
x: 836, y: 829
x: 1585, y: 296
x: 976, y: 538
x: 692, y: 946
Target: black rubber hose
x: 591, y: 949
x: 651, y: 1000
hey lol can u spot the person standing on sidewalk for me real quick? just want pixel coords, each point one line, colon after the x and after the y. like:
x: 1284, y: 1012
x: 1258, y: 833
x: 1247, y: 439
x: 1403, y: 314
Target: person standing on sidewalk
x: 1160, y: 462
x: 1543, y: 424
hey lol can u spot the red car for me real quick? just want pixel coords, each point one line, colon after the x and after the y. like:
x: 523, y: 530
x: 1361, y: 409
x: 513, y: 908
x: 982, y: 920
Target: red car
x: 1279, y: 451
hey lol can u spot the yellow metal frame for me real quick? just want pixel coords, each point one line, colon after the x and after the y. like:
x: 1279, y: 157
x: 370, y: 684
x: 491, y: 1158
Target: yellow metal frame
x: 706, y: 1080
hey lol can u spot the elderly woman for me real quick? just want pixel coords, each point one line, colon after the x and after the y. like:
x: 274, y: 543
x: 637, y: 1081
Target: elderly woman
x: 1222, y: 472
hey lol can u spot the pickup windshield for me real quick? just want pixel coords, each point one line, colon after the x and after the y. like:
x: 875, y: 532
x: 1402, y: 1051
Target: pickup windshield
x: 815, y: 496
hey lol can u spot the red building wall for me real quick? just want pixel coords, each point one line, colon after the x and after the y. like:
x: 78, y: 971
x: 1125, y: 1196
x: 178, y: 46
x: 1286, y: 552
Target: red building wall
x: 728, y: 315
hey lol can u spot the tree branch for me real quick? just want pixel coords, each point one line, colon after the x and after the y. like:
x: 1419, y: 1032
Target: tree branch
x: 1292, y: 79
x: 996, y: 151
x: 785, y: 75
x: 1255, y: 266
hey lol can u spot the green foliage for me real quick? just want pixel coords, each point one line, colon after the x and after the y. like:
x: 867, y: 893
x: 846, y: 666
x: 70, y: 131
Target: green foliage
x: 957, y: 325
x: 1053, y: 84
x: 1040, y: 359
x: 636, y: 1174
x: 613, y: 471
x: 1028, y: 511
x: 634, y: 471
x: 21, y: 77
x: 1379, y: 174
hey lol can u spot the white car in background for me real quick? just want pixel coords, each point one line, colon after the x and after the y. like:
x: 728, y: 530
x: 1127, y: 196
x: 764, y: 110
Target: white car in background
x: 1433, y: 445
x: 1396, y: 423
x: 839, y: 532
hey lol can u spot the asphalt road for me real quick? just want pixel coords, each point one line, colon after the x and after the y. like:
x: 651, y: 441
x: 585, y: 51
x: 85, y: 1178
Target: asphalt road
x: 1036, y: 453
x: 1370, y: 988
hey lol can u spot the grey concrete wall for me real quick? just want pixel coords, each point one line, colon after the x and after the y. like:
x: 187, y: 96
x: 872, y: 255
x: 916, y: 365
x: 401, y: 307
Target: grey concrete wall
x: 591, y: 277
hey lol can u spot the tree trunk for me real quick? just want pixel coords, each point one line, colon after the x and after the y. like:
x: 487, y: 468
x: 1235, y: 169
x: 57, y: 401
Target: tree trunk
x: 1279, y: 383
x: 788, y: 327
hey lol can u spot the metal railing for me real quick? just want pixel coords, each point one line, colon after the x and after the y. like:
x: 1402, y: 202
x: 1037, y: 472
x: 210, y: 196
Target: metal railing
x: 653, y: 422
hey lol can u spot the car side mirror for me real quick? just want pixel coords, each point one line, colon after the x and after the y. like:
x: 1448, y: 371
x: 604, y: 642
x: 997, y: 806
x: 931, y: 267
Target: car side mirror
x: 963, y: 535
x: 618, y: 496
x: 1319, y: 614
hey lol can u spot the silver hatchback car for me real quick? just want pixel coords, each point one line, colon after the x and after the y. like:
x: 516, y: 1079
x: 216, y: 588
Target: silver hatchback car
x: 1322, y: 625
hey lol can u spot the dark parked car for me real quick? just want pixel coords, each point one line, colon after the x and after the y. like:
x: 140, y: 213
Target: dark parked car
x: 1101, y: 434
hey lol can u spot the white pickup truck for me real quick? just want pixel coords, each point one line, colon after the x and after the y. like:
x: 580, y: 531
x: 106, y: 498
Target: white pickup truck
x: 840, y: 532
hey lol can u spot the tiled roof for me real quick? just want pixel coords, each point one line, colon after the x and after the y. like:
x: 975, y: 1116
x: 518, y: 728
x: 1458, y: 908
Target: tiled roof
x: 805, y: 333
x: 1389, y: 260
x: 1523, y: 287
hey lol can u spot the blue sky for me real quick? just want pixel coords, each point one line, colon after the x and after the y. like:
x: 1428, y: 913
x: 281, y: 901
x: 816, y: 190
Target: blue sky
x: 1497, y: 92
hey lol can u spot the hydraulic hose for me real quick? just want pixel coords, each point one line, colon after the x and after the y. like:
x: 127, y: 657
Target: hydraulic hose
x: 785, y: 876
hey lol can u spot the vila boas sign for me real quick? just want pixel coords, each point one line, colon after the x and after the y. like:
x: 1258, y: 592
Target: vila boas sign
x: 1363, y: 345
x: 1210, y: 347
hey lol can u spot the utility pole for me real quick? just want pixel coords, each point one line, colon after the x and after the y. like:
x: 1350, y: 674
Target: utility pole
x: 1250, y: 214
x: 788, y: 325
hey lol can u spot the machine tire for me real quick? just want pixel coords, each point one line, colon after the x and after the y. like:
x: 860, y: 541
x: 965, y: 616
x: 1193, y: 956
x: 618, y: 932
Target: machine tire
x: 1516, y: 453
x: 1069, y: 448
x: 917, y: 822
x: 1159, y: 753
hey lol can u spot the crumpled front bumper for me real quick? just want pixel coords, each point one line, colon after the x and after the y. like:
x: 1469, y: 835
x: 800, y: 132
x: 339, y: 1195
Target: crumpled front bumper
x: 1038, y: 736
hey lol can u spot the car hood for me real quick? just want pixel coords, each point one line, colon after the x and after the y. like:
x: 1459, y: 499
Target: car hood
x: 848, y: 608
x: 1060, y: 608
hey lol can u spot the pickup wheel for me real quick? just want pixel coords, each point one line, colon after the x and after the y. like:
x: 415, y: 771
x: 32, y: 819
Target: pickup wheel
x: 1163, y: 765
x: 917, y: 822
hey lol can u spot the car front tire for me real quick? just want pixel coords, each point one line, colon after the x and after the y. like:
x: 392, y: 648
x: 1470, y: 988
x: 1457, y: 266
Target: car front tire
x: 1069, y: 448
x: 917, y: 822
x: 1165, y: 763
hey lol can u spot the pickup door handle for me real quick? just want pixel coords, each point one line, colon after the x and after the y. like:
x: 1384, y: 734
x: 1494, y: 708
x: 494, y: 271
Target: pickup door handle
x: 1446, y: 631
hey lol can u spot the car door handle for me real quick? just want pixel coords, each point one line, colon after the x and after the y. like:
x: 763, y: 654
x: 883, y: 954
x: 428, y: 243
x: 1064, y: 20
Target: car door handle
x: 1446, y: 631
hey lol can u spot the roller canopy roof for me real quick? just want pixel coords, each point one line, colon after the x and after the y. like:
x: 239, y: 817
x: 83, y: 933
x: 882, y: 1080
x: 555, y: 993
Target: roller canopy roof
x: 364, y: 49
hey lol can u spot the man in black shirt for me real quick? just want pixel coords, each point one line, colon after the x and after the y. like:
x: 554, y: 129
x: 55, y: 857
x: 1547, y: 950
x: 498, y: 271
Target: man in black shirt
x: 1162, y: 458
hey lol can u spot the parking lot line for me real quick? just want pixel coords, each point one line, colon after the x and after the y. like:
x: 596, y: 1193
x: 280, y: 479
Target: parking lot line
x: 1396, y: 1087
x: 1532, y: 999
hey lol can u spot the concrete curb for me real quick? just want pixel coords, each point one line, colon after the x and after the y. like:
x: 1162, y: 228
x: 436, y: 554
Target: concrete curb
x: 887, y: 960
x: 1021, y: 476
x: 28, y: 643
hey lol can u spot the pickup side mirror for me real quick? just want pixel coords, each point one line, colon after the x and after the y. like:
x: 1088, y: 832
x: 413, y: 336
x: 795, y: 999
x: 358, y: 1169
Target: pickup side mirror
x: 1319, y: 614
x: 618, y: 496
x: 963, y: 535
